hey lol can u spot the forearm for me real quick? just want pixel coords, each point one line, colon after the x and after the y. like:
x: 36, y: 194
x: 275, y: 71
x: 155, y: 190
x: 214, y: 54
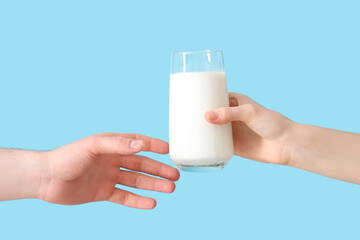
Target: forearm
x: 21, y: 173
x: 328, y: 152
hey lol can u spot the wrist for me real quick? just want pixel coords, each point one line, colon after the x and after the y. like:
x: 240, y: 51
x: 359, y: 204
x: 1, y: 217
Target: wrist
x: 292, y: 146
x: 37, y: 175
x: 23, y: 174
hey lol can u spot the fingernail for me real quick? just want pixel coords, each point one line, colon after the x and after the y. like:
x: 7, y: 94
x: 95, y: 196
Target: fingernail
x: 136, y: 144
x: 212, y: 115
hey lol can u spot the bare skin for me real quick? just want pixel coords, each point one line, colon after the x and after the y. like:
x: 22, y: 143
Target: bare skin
x: 88, y: 170
x: 267, y: 136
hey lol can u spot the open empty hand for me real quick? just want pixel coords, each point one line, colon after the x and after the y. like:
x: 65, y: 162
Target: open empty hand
x: 89, y: 170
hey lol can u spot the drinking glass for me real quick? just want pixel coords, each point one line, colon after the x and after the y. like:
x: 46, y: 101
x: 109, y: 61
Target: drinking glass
x: 198, y: 84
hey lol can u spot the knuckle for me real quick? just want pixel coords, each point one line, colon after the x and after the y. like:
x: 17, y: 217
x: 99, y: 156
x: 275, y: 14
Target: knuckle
x: 137, y: 163
x: 138, y: 180
x: 251, y: 108
x: 244, y: 99
x: 121, y: 141
x: 92, y: 140
x: 157, y: 184
x: 124, y: 198
x: 143, y: 166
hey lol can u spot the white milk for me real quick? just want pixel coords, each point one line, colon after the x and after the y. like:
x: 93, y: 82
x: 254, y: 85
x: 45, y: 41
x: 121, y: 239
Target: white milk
x: 194, y: 141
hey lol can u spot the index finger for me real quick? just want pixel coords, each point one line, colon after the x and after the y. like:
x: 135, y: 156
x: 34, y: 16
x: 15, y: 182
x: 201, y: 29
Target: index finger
x: 238, y: 99
x: 150, y: 144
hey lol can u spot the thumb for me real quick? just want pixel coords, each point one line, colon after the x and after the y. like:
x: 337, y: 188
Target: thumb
x: 98, y: 144
x: 246, y: 113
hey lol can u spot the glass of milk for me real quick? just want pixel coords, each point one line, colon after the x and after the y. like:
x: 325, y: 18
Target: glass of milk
x: 198, y: 84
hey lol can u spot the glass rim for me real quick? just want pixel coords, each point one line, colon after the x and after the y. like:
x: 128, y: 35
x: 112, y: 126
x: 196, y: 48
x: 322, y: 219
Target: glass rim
x: 198, y: 51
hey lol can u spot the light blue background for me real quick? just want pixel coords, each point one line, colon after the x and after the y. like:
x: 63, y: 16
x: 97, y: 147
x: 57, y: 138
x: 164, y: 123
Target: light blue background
x: 69, y: 69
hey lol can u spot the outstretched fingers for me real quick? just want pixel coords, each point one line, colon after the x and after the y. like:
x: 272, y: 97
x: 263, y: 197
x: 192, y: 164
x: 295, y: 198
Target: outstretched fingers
x: 150, y: 166
x: 98, y: 145
x: 142, y: 181
x: 150, y: 144
x: 124, y: 144
x: 130, y: 199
